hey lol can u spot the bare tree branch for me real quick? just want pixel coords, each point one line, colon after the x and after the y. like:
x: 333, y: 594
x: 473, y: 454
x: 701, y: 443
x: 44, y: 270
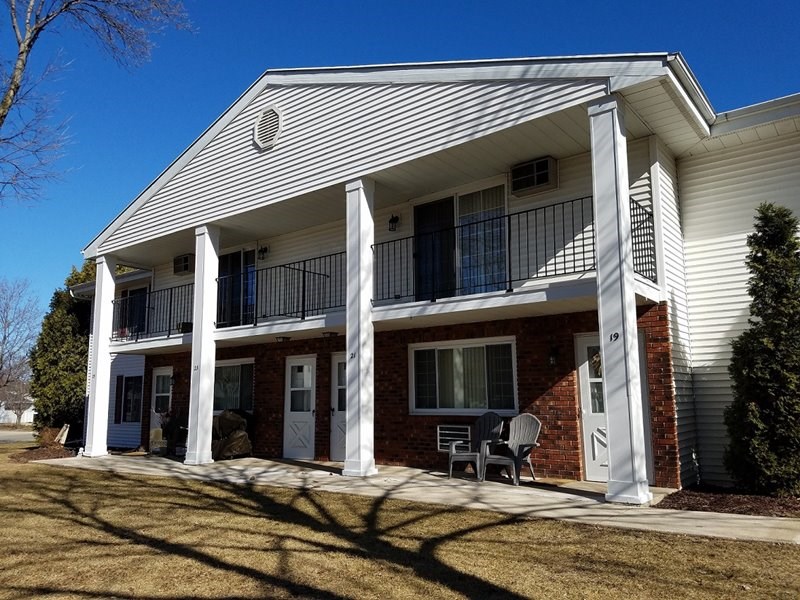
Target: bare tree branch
x: 16, y: 398
x: 20, y: 318
x: 29, y: 144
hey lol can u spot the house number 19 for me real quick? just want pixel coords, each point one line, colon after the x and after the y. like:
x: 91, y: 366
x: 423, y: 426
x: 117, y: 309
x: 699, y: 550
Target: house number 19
x: 613, y: 337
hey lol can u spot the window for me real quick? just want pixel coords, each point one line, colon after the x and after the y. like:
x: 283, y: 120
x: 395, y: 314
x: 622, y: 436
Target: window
x: 132, y: 400
x: 236, y: 288
x: 162, y: 392
x: 460, y: 244
x: 467, y: 377
x: 233, y: 386
x: 482, y: 240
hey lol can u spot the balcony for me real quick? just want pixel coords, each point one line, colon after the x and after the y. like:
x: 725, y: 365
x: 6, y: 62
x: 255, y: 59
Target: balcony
x: 494, y: 254
x: 160, y: 313
x: 300, y: 289
x: 501, y: 253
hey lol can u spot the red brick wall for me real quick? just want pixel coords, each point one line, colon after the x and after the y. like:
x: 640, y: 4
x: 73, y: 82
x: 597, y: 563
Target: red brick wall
x: 549, y: 392
x: 654, y: 321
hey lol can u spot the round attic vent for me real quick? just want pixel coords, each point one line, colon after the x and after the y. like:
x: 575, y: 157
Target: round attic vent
x: 267, y: 127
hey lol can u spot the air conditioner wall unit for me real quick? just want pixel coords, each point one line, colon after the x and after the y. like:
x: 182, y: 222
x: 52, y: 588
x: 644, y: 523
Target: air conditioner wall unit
x: 183, y: 264
x: 534, y: 176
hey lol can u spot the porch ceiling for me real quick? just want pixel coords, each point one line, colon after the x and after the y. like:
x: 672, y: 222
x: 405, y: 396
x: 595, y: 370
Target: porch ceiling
x: 562, y: 134
x: 658, y: 107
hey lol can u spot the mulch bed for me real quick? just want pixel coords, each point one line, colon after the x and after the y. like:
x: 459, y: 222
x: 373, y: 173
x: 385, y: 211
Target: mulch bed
x: 52, y: 451
x: 724, y: 500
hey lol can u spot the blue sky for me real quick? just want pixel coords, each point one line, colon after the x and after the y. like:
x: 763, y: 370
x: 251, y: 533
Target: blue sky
x: 127, y: 126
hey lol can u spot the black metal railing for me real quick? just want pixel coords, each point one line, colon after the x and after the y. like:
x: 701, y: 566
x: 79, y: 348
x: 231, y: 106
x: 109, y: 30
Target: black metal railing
x: 643, y: 239
x: 500, y: 252
x: 160, y: 313
x: 487, y: 255
x: 300, y: 289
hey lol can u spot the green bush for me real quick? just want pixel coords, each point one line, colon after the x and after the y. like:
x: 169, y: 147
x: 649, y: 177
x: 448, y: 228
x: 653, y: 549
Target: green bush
x: 764, y: 418
x: 58, y: 359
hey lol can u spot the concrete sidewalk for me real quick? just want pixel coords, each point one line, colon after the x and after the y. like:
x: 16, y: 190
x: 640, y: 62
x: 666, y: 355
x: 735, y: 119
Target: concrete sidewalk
x: 529, y: 499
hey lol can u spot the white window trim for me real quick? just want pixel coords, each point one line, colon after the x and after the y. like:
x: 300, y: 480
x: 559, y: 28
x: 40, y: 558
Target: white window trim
x: 235, y: 361
x: 464, y: 343
x: 160, y: 372
x: 232, y: 362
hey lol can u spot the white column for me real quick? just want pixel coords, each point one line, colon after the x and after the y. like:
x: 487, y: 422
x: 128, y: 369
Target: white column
x: 100, y: 383
x: 616, y: 305
x: 359, y: 445
x: 201, y: 389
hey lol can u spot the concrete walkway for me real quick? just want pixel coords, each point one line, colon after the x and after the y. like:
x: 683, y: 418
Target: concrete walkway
x: 529, y: 500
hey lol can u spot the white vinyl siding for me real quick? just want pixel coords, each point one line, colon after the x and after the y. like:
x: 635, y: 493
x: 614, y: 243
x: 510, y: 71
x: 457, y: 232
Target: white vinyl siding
x: 665, y: 175
x: 719, y: 194
x: 124, y: 435
x: 575, y: 182
x: 332, y: 134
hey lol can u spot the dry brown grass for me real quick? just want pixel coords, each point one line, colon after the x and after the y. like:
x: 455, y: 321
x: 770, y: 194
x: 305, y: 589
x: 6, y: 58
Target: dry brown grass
x: 70, y: 533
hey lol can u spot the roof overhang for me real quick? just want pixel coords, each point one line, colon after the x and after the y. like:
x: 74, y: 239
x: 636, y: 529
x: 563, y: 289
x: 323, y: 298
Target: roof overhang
x: 616, y: 72
x: 85, y: 291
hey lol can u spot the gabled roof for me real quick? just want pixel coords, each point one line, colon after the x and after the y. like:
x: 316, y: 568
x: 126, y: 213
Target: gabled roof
x: 346, y: 122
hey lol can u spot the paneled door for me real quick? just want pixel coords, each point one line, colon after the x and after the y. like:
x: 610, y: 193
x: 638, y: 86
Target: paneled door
x: 159, y: 408
x: 300, y: 408
x: 338, y: 407
x: 593, y: 409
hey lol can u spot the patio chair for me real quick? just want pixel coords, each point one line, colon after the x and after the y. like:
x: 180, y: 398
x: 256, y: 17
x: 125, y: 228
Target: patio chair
x: 487, y: 428
x: 523, y: 433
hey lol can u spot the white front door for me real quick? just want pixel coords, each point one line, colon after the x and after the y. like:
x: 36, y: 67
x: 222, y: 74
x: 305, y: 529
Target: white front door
x: 338, y: 407
x: 300, y: 412
x: 160, y: 406
x: 593, y: 410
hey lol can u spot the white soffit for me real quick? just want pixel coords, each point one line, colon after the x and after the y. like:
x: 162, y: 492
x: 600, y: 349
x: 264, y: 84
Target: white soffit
x: 759, y: 122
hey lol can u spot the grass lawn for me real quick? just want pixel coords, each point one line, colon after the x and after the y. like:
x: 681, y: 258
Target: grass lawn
x: 70, y: 533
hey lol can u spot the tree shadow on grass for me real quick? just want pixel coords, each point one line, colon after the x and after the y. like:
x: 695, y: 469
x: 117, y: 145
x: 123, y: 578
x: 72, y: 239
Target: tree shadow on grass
x: 300, y: 524
x: 102, y: 534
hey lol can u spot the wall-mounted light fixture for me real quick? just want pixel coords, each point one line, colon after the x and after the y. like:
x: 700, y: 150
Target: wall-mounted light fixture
x: 172, y: 381
x: 262, y: 252
x: 282, y: 338
x: 330, y: 334
x: 393, y: 221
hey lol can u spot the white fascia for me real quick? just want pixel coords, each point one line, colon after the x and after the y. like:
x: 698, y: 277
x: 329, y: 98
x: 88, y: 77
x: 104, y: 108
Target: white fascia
x: 787, y: 107
x: 621, y: 70
x: 691, y: 86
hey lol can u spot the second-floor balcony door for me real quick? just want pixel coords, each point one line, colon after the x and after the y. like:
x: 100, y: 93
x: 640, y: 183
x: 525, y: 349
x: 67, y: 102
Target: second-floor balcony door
x: 434, y: 250
x: 482, y: 241
x: 236, y: 288
x: 133, y: 306
x: 460, y: 245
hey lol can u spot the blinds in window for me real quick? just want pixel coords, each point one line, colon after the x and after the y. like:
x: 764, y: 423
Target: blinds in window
x: 482, y: 240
